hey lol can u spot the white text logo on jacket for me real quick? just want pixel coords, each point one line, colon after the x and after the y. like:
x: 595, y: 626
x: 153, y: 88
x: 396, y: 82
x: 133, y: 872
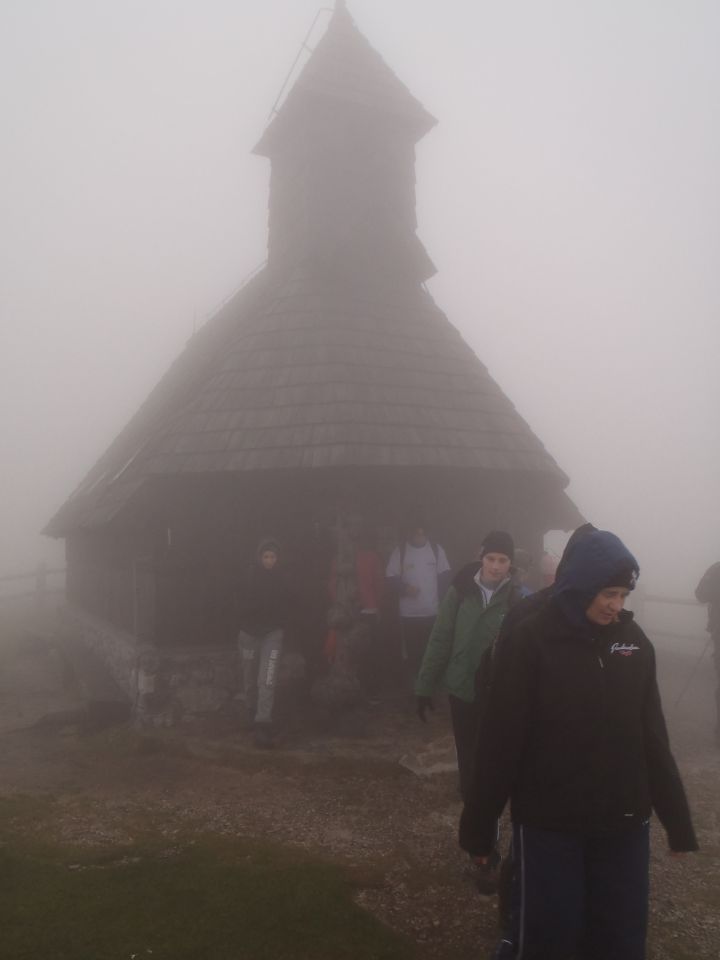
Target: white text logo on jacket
x: 624, y: 649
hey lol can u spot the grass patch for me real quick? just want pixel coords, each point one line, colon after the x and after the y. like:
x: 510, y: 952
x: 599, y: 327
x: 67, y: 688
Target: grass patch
x: 210, y: 899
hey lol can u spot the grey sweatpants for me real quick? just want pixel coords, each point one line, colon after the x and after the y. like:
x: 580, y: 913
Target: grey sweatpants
x: 260, y: 660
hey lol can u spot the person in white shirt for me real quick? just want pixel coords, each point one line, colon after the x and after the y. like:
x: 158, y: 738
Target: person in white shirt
x: 419, y: 572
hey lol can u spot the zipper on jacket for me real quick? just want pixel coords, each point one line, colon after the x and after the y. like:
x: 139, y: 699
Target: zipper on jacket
x: 597, y: 650
x: 603, y: 746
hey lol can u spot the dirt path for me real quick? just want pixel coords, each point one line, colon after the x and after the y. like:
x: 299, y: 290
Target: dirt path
x: 348, y: 799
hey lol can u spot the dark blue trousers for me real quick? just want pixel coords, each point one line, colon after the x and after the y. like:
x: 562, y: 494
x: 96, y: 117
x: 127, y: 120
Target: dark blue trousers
x: 578, y: 897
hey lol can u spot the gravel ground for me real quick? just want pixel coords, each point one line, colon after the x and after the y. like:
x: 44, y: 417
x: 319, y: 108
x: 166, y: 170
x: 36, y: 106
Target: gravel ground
x: 348, y: 799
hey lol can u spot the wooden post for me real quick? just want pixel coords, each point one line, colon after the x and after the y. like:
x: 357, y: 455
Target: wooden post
x: 40, y: 583
x: 144, y: 599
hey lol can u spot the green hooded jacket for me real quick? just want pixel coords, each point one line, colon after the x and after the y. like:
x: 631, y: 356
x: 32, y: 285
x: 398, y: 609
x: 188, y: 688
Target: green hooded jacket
x: 464, y: 629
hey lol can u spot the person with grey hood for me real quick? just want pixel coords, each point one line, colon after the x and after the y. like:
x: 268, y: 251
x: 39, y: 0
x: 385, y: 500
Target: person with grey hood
x: 574, y: 736
x: 264, y: 612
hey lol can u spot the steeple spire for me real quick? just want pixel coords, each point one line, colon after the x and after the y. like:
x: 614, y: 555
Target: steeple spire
x: 342, y: 147
x: 341, y: 12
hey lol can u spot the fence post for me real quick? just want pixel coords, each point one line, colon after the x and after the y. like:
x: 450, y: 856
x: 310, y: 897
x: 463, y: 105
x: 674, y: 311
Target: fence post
x: 40, y: 583
x: 144, y: 598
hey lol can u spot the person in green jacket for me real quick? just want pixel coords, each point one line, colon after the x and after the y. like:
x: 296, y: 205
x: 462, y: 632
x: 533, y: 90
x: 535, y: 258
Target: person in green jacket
x: 468, y: 621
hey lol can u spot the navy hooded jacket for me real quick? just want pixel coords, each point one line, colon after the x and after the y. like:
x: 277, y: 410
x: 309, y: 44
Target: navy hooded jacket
x: 574, y: 733
x: 598, y: 560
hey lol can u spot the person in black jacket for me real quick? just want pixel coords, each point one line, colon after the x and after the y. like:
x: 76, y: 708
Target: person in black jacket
x: 575, y: 737
x: 708, y: 591
x: 264, y: 612
x: 526, y: 607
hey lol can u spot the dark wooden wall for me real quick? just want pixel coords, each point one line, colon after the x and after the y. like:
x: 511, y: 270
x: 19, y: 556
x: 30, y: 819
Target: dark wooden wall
x: 342, y: 191
x: 101, y: 575
x: 188, y: 556
x: 211, y: 529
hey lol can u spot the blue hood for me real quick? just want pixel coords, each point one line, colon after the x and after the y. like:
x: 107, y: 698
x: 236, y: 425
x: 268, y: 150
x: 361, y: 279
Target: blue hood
x: 595, y: 561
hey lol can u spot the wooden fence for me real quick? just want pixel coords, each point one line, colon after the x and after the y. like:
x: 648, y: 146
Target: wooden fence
x: 674, y: 618
x: 676, y: 601
x: 40, y: 583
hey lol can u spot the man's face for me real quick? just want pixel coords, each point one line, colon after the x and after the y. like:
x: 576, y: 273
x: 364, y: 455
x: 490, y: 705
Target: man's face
x: 419, y: 537
x: 607, y: 605
x: 495, y: 568
x: 268, y: 559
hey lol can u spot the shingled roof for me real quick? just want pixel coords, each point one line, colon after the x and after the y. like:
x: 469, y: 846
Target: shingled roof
x: 310, y: 368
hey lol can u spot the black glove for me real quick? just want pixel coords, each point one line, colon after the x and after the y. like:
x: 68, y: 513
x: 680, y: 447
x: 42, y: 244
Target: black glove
x: 423, y: 705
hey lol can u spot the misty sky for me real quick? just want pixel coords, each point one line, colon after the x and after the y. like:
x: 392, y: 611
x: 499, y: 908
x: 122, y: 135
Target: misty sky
x: 569, y: 198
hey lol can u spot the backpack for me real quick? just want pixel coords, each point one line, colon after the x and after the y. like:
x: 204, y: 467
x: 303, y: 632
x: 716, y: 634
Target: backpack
x: 393, y: 596
x: 483, y: 677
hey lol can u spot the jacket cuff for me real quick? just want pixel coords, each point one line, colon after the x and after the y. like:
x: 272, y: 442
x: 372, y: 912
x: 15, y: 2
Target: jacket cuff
x: 475, y: 837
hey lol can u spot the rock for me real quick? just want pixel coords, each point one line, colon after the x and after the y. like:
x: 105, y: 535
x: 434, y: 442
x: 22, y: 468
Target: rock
x: 438, y: 757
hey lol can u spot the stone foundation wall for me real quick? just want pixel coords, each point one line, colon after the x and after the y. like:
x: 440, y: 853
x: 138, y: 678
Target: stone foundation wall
x: 177, y: 684
x: 116, y: 648
x: 168, y: 685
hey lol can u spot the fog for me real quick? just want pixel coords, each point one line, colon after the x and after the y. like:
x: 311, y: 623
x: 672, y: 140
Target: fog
x: 568, y: 197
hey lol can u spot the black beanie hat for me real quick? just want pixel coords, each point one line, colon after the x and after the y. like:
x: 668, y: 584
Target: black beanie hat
x: 498, y: 541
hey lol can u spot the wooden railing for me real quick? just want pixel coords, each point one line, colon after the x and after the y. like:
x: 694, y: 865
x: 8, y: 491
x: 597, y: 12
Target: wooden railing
x: 677, y: 601
x: 689, y: 627
x: 38, y: 583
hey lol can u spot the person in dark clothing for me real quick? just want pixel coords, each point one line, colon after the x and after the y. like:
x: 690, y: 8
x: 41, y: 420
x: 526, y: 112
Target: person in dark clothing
x: 575, y: 737
x: 264, y: 613
x: 708, y: 591
x: 525, y: 608
x: 521, y: 609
